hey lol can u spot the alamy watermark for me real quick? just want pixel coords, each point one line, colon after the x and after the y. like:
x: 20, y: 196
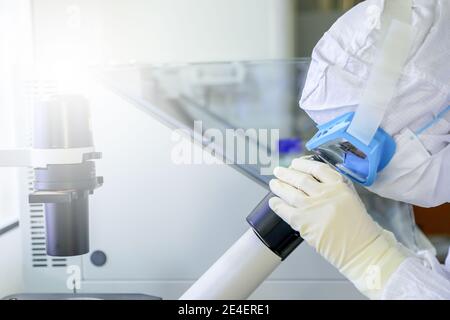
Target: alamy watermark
x: 229, y: 146
x: 372, y: 277
x: 73, y: 280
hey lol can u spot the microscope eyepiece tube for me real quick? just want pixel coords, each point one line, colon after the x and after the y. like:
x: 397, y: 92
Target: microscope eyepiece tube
x: 250, y: 260
x: 237, y: 273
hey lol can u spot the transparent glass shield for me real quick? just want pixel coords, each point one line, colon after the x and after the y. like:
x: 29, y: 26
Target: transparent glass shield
x: 244, y: 97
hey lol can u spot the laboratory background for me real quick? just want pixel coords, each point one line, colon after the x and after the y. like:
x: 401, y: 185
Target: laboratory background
x: 147, y: 226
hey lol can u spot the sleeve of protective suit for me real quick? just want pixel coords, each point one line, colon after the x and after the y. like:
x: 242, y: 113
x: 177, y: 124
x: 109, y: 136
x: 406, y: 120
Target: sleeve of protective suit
x: 317, y: 201
x: 420, y: 277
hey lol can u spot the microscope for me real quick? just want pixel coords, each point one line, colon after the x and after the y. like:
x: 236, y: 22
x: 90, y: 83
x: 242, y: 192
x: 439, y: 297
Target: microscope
x: 62, y: 157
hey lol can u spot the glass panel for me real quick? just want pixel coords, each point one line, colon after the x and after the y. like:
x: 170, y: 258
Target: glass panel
x: 246, y: 95
x: 250, y: 96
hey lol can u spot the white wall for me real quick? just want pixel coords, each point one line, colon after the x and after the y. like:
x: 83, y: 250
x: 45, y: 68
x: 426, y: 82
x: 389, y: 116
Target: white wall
x: 15, y: 47
x: 11, y: 263
x: 15, y: 58
x: 163, y: 30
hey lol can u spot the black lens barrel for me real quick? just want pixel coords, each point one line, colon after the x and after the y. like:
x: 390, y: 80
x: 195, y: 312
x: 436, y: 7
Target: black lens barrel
x: 273, y: 231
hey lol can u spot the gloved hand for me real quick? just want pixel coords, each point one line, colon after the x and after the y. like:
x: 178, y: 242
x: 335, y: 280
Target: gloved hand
x: 316, y: 201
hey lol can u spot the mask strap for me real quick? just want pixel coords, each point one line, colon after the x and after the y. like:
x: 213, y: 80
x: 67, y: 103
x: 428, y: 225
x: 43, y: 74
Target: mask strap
x: 394, y: 43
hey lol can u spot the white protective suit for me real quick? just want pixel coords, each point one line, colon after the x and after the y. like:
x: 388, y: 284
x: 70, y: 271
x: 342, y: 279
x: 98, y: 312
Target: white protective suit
x: 419, y: 173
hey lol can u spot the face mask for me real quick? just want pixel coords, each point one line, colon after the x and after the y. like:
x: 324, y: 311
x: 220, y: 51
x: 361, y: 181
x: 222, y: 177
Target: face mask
x: 354, y: 143
x: 400, y: 168
x: 350, y: 156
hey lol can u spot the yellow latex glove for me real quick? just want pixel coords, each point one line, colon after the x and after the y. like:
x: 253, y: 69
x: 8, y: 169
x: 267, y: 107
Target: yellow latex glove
x: 315, y: 200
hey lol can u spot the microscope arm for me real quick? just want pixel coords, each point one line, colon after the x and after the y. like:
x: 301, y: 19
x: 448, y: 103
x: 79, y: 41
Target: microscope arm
x: 237, y: 273
x: 15, y: 158
x: 64, y: 175
x: 40, y: 158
